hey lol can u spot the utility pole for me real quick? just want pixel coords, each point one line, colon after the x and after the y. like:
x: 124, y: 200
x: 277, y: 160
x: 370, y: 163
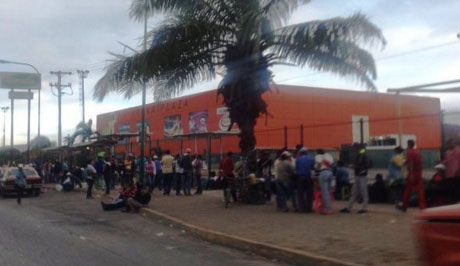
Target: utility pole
x: 82, y: 74
x: 59, y: 87
x: 4, y: 110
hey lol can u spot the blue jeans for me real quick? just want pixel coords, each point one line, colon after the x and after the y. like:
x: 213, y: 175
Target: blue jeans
x: 325, y: 177
x: 158, y: 181
x: 167, y: 180
x: 282, y: 193
x: 187, y: 183
x: 179, y: 178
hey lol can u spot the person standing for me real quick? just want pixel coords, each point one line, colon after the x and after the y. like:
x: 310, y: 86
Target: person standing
x: 107, y: 173
x: 359, y: 190
x: 188, y: 171
x: 396, y: 175
x: 167, y: 164
x: 197, y: 167
x: 128, y: 173
x: 91, y: 174
x: 99, y: 166
x: 228, y: 178
x: 150, y: 172
x: 324, y: 163
x: 265, y: 171
x: 159, y: 182
x: 57, y: 168
x: 20, y: 183
x: 451, y: 161
x: 284, y: 170
x: 303, y: 167
x: 414, y: 180
x: 179, y: 174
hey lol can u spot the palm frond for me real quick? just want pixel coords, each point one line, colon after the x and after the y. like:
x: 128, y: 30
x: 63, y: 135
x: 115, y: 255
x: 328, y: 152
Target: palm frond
x: 334, y: 41
x: 280, y: 11
x: 356, y: 28
x: 140, y: 7
x: 183, y: 52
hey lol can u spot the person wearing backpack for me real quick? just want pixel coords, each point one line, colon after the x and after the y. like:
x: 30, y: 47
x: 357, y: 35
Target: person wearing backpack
x: 359, y: 190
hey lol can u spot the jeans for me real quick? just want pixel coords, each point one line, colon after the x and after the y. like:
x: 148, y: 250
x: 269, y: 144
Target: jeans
x: 20, y: 191
x: 229, y: 190
x: 179, y: 181
x: 305, y: 193
x: 167, y: 180
x: 325, y: 177
x: 293, y: 193
x: 268, y: 188
x: 282, y: 192
x: 89, y: 191
x: 158, y: 181
x: 199, y: 187
x: 150, y: 181
x: 359, y: 189
x: 187, y: 183
x: 107, y: 180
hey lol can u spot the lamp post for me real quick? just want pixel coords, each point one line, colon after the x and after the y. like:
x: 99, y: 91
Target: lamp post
x: 4, y: 110
x: 28, y: 103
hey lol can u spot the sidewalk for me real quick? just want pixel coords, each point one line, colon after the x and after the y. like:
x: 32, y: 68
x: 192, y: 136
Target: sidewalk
x: 382, y: 237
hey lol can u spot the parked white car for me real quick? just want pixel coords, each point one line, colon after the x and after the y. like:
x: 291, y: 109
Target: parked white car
x: 8, y: 177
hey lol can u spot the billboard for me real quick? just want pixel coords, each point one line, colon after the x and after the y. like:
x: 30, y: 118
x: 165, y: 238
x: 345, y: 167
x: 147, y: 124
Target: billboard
x: 198, y: 122
x: 20, y: 80
x: 173, y: 126
x: 124, y: 128
x: 224, y: 120
x: 146, y: 128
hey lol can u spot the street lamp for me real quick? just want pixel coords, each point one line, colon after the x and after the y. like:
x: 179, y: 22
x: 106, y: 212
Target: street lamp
x: 4, y: 110
x: 28, y: 103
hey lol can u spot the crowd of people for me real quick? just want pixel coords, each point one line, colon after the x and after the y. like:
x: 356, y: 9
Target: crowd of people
x: 309, y: 181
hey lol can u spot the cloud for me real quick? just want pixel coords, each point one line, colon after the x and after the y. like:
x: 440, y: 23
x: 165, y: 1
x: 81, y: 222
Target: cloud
x: 69, y: 35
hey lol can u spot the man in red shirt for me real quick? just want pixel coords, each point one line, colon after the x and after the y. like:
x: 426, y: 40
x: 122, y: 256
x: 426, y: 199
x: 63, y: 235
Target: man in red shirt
x: 228, y: 182
x: 414, y: 176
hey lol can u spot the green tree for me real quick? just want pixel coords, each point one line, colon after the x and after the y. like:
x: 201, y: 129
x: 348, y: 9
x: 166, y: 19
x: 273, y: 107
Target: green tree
x: 40, y: 142
x: 242, y: 39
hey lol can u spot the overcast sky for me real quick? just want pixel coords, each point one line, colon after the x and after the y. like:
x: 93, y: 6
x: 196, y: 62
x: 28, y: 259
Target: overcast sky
x: 69, y: 35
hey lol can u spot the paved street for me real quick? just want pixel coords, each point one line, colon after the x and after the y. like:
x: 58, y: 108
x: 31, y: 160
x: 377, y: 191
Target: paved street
x: 65, y: 229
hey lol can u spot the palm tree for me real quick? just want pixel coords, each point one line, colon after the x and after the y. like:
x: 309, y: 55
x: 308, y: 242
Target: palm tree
x: 69, y: 140
x: 84, y: 130
x: 242, y: 39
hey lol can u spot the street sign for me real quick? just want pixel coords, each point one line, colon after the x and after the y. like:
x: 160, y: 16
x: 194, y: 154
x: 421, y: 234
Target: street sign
x: 20, y: 95
x: 20, y: 80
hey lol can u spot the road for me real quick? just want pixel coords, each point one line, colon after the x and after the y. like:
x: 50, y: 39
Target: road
x: 65, y: 229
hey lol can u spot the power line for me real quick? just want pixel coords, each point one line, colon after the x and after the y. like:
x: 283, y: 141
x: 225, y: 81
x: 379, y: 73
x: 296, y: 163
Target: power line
x: 386, y: 58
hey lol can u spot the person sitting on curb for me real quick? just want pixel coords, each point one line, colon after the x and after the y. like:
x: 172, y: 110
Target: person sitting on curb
x: 141, y: 199
x: 128, y: 191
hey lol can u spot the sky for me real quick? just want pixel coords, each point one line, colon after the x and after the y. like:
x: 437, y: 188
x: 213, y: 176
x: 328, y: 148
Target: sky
x: 422, y: 47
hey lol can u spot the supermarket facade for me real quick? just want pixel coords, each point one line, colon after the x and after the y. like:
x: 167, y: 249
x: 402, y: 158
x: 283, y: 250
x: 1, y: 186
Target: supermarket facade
x: 314, y: 117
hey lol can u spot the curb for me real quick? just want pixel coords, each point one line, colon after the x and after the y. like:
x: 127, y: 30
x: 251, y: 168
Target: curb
x: 292, y: 256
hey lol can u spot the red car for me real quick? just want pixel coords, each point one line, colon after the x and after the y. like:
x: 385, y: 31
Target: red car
x: 438, y: 233
x: 8, y: 177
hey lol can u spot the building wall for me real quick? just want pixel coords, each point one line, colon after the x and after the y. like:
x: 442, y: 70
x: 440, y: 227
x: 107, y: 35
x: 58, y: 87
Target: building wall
x: 326, y: 116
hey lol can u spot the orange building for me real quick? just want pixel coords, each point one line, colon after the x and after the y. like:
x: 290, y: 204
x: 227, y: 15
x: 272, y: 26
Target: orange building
x: 316, y: 117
